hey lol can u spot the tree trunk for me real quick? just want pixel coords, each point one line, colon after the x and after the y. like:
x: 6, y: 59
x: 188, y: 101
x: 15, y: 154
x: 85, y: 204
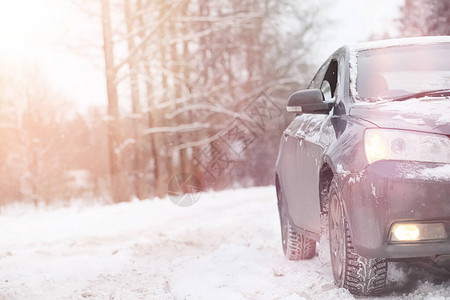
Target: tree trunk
x: 152, y: 155
x: 186, y: 162
x: 138, y: 171
x: 164, y: 158
x: 119, y: 187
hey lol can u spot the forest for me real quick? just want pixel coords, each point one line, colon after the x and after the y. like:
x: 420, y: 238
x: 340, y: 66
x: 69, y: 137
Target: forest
x: 193, y: 87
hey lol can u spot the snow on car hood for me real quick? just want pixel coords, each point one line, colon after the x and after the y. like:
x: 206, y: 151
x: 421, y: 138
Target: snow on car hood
x: 425, y: 114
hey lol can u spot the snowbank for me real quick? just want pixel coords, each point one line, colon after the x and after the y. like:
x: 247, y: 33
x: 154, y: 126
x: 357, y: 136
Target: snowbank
x: 226, y: 246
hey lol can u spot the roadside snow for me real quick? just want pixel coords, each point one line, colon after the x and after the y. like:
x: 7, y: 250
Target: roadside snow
x: 226, y: 246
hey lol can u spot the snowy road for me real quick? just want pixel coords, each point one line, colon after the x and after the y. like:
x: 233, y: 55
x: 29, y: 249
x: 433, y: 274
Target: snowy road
x: 227, y: 246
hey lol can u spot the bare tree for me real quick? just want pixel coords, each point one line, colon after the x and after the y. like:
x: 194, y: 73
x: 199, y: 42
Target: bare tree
x: 119, y: 188
x: 137, y: 117
x: 429, y: 17
x: 193, y: 68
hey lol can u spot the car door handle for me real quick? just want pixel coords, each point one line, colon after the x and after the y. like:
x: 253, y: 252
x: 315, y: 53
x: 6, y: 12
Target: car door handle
x: 300, y: 136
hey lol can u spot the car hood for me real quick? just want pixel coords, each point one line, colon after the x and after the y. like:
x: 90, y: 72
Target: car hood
x: 426, y: 114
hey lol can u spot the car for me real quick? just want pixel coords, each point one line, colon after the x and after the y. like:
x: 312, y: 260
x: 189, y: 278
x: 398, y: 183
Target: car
x: 368, y: 149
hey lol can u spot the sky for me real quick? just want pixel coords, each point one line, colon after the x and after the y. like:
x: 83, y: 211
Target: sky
x: 355, y: 21
x: 47, y: 33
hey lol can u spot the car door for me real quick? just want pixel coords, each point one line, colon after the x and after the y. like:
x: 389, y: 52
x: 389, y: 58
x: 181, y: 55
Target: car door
x: 304, y: 203
x: 288, y: 163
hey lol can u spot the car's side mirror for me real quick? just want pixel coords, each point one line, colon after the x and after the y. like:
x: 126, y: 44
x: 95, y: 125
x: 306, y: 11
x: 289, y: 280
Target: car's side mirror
x: 308, y: 101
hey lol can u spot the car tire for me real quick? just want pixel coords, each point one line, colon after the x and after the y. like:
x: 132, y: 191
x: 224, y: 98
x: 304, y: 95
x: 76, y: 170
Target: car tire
x: 296, y: 246
x: 361, y: 276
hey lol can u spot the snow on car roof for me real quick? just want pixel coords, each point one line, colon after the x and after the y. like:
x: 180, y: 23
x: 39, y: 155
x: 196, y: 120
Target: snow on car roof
x: 400, y: 42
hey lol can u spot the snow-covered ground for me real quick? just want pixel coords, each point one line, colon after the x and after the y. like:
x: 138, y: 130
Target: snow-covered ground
x: 226, y: 246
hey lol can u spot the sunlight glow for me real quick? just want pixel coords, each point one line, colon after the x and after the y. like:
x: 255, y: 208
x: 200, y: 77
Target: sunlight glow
x: 23, y: 24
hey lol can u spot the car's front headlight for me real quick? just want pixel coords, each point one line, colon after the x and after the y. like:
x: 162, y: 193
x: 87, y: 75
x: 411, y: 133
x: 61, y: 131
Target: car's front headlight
x: 391, y: 144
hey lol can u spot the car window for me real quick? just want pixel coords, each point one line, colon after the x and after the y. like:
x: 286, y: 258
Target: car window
x: 329, y: 82
x: 326, y: 79
x: 387, y: 73
x: 318, y: 78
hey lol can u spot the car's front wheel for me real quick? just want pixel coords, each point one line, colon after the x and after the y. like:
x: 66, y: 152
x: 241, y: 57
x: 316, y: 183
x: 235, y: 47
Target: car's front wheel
x: 361, y: 276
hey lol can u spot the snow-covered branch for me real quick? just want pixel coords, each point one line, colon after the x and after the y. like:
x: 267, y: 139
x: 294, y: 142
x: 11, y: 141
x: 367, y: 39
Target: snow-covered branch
x: 212, y: 108
x: 201, y: 142
x: 152, y: 32
x: 122, y: 146
x: 179, y: 128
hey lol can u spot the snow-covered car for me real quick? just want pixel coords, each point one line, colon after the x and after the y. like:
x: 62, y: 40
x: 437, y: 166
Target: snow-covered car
x: 369, y: 147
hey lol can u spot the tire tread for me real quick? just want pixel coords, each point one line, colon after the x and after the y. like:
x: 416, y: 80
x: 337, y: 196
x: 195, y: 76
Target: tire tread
x: 299, y: 246
x: 363, y: 276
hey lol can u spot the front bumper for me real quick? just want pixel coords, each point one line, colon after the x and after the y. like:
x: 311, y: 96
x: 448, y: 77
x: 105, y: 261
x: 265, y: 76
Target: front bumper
x: 387, y: 192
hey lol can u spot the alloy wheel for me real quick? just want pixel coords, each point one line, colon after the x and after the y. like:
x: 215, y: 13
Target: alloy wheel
x: 337, y: 240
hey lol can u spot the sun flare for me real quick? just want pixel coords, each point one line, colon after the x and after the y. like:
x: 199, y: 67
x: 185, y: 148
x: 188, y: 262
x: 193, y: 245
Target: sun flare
x: 23, y: 25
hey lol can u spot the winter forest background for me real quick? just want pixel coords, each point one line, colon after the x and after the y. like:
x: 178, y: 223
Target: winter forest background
x: 194, y: 86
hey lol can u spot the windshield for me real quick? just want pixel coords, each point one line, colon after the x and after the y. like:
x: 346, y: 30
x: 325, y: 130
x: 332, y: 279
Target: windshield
x: 388, y: 73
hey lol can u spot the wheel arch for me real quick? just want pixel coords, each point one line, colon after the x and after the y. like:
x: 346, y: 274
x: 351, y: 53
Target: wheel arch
x: 326, y: 176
